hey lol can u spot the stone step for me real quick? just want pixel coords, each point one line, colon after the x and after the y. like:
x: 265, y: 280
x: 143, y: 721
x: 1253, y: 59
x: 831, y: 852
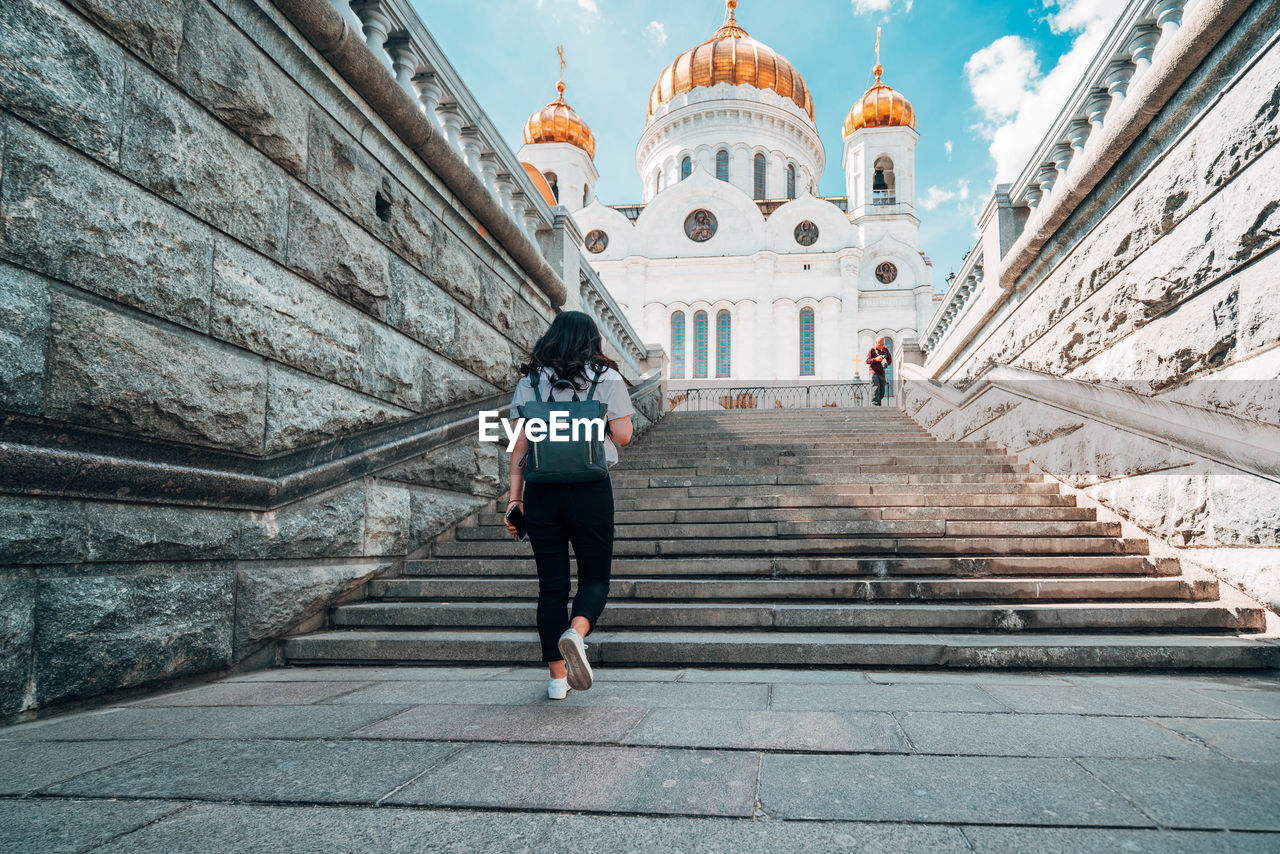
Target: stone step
x: 835, y: 514
x: 792, y: 649
x: 878, y: 546
x: 1055, y: 617
x: 840, y: 501
x: 840, y: 528
x: 624, y: 481
x: 919, y: 590
x: 851, y: 469
x: 661, y: 465
x: 808, y: 567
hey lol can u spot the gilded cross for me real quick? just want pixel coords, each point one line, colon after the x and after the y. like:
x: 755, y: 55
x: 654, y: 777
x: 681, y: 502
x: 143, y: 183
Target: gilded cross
x: 560, y: 50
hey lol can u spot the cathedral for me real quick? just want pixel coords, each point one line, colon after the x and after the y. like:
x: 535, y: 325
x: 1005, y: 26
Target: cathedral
x: 731, y: 261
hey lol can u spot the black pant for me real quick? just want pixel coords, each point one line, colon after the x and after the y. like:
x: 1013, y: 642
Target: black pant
x: 555, y: 515
x: 877, y: 383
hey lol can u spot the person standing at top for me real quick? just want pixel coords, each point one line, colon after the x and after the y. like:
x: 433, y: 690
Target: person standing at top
x: 557, y: 514
x: 878, y: 359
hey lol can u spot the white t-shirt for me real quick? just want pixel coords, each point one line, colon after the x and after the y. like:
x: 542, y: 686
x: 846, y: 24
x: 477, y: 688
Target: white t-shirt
x: 612, y: 389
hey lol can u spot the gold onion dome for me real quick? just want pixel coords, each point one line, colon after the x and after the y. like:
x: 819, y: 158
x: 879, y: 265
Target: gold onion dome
x: 557, y: 122
x: 880, y: 107
x: 730, y: 56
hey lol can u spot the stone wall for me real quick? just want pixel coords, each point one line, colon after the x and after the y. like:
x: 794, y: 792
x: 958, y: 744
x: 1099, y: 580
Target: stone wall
x: 1164, y: 281
x: 214, y: 257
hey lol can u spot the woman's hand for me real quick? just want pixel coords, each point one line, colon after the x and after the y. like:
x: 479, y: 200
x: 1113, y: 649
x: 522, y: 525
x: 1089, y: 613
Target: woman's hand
x: 511, y: 529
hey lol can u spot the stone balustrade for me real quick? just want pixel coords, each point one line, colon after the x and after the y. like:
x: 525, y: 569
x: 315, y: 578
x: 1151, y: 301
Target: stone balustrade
x: 1144, y: 28
x: 398, y: 37
x: 963, y: 285
x: 625, y: 342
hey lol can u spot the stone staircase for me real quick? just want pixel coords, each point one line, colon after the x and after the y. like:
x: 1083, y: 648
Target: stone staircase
x: 834, y: 537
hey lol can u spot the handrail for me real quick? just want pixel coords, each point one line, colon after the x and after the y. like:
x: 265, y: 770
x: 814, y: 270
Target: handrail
x: 40, y: 458
x: 1254, y: 448
x: 767, y: 397
x: 347, y: 51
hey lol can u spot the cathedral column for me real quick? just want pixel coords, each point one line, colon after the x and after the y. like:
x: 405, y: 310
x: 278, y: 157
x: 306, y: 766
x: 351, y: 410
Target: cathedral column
x: 828, y: 332
x: 765, y: 343
x: 847, y: 345
x: 776, y: 180
x: 745, y: 367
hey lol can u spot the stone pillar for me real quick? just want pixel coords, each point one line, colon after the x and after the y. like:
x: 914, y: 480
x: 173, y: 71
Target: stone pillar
x: 848, y: 328
x: 746, y: 368
x: 765, y: 343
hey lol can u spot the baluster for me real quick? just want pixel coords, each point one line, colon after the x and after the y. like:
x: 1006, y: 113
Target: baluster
x: 470, y: 143
x: 1168, y: 15
x: 519, y: 207
x: 1096, y: 108
x: 1062, y: 154
x: 377, y: 27
x: 505, y: 188
x: 1078, y: 133
x: 1116, y: 79
x: 404, y: 63
x: 451, y: 120
x: 348, y: 14
x: 1033, y: 194
x: 1047, y: 177
x: 1141, y: 46
x: 489, y: 170
x: 429, y: 93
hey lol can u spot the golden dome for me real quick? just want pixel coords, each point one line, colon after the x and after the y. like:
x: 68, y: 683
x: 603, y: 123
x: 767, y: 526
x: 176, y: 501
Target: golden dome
x: 880, y: 107
x: 557, y: 122
x: 730, y: 56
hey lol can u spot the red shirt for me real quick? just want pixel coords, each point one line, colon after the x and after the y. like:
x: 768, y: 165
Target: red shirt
x: 878, y: 367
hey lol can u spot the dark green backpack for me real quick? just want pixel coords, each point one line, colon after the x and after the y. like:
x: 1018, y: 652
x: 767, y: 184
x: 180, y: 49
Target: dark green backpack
x: 577, y: 461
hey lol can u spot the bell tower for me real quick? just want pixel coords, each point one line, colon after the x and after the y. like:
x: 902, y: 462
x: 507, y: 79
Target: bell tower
x: 558, y: 143
x: 880, y: 150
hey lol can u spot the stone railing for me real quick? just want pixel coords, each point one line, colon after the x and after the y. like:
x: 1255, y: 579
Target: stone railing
x: 399, y: 38
x: 595, y: 300
x: 955, y: 302
x: 1144, y: 30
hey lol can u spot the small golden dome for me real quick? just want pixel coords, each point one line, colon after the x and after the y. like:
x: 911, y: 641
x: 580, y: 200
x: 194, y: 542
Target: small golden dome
x: 730, y: 56
x: 557, y: 122
x: 880, y: 107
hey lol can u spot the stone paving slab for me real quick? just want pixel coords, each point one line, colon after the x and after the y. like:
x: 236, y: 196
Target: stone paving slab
x: 1263, y: 703
x: 27, y: 766
x: 963, y: 677
x: 1055, y: 840
x: 275, y: 771
x: 1169, y: 700
x: 206, y: 722
x: 1247, y: 741
x: 368, y: 674
x: 255, y: 694
x: 547, y: 722
x: 940, y: 789
x: 67, y: 826
x: 612, y: 674
x: 952, y: 733
x: 834, y: 732
x: 596, y: 779
x: 677, y: 695
x: 825, y: 677
x: 1204, y: 794
x: 886, y: 698
x: 445, y: 690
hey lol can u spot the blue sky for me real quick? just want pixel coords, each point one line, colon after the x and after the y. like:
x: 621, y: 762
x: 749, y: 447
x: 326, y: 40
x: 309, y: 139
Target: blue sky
x: 985, y: 77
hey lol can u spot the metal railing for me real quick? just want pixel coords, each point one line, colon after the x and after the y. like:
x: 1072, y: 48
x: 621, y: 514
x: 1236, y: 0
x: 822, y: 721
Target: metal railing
x: 823, y: 396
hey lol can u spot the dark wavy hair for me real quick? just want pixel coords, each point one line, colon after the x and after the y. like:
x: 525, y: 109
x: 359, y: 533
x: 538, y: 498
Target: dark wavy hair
x: 570, y: 347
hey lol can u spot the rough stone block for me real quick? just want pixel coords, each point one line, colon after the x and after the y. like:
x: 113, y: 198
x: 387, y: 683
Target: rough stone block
x: 420, y: 309
x: 386, y: 521
x: 41, y: 530
x: 145, y: 532
x: 432, y: 511
x: 236, y: 82
x: 1247, y: 389
x: 73, y: 220
x: 340, y: 170
x: 1172, y: 505
x: 61, y: 75
x: 24, y: 331
x: 327, y: 525
x: 1098, y: 452
x: 101, y: 633
x: 464, y: 466
x: 393, y: 365
x: 17, y: 636
x: 1245, y: 508
x: 109, y: 370
x: 304, y: 410
x: 1255, y: 571
x: 407, y: 225
x: 150, y: 28
x: 958, y: 424
x: 483, y: 351
x: 176, y: 149
x: 262, y: 307
x: 337, y: 254
x: 270, y: 600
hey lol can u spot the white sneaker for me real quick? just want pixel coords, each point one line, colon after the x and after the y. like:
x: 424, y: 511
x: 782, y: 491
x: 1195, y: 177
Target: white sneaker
x: 557, y: 689
x: 575, y: 660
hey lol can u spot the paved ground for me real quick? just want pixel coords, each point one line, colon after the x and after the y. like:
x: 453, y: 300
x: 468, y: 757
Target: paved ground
x: 415, y: 759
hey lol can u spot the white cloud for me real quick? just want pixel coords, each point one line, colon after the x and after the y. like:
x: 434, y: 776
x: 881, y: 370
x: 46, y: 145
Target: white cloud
x: 589, y: 6
x: 947, y: 147
x: 936, y: 195
x: 657, y: 32
x: 878, y: 7
x: 1016, y: 99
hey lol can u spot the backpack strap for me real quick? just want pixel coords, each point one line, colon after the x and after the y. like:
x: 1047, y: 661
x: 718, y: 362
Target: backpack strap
x: 591, y: 394
x: 535, y: 380
x: 561, y: 384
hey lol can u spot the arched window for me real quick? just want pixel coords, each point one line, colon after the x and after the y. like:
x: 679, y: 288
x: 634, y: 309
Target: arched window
x: 760, y: 169
x: 586, y: 195
x: 883, y: 185
x: 677, y: 345
x: 722, y: 164
x: 791, y: 180
x: 553, y: 182
x: 699, y: 344
x: 806, y: 342
x: 722, y: 343
x: 657, y: 182
x: 686, y: 167
x: 890, y: 370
